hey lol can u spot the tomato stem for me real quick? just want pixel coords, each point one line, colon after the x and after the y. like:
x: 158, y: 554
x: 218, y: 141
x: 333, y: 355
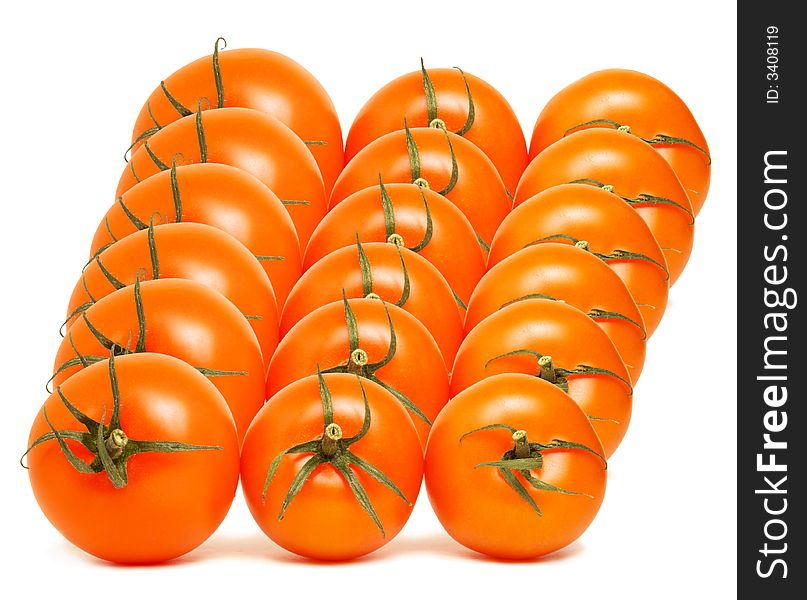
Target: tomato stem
x: 116, y: 442
x: 522, y: 447
x: 547, y: 369
x: 330, y: 440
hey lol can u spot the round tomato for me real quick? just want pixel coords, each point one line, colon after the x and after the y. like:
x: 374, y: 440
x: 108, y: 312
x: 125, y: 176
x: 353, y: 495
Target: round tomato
x: 636, y: 103
x: 331, y: 467
x: 250, y: 78
x: 464, y: 103
x: 180, y: 318
x: 241, y: 137
x: 396, y: 275
x: 184, y: 251
x: 595, y: 220
x: 559, y: 343
x: 570, y: 274
x: 218, y: 195
x: 623, y: 164
x: 155, y: 472
x: 373, y: 339
x: 514, y: 469
x: 441, y: 161
x: 411, y: 217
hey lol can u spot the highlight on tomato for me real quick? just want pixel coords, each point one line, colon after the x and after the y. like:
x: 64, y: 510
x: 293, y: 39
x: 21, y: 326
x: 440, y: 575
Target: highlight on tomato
x: 514, y: 469
x: 636, y: 103
x: 218, y: 195
x: 372, y: 339
x: 394, y: 274
x: 178, y: 317
x: 626, y: 166
x: 462, y: 103
x: 184, y: 251
x: 331, y: 467
x: 439, y: 160
x: 572, y: 275
x: 407, y: 216
x: 241, y: 137
x: 560, y: 344
x: 134, y: 459
x: 250, y: 78
x: 597, y: 221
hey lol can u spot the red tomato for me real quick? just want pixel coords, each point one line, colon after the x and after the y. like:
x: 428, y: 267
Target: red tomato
x: 218, y: 195
x: 241, y: 137
x: 250, y: 78
x: 410, y: 217
x: 639, y: 104
x: 433, y: 158
x: 185, y: 251
x: 180, y: 318
x: 600, y: 222
x: 632, y: 170
x: 514, y: 469
x: 556, y: 342
x: 358, y: 455
x: 570, y: 274
x: 467, y: 105
x: 373, y: 339
x: 396, y: 275
x: 165, y: 475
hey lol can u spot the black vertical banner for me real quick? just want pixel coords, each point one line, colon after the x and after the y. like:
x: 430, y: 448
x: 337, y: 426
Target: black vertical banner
x: 772, y: 268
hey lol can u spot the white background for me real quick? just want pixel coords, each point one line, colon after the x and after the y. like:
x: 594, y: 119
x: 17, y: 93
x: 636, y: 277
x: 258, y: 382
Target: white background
x: 73, y: 80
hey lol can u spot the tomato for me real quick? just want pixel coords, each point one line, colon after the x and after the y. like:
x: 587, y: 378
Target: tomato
x: 559, y: 343
x: 570, y: 274
x: 411, y: 217
x: 632, y: 170
x: 165, y: 475
x: 250, y: 78
x: 467, y: 105
x: 396, y: 275
x: 180, y: 318
x: 241, y: 137
x: 218, y: 195
x: 185, y: 251
x: 514, y: 469
x: 600, y: 222
x: 373, y: 339
x: 439, y: 160
x: 639, y: 104
x: 331, y: 467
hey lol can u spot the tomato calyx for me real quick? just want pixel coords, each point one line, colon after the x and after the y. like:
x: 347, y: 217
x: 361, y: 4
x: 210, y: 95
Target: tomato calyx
x: 389, y: 220
x: 641, y: 199
x: 431, y: 102
x: 414, y: 162
x: 525, y: 457
x: 659, y: 139
x: 367, y: 275
x: 559, y: 376
x: 359, y: 364
x: 332, y: 447
x: 110, y: 446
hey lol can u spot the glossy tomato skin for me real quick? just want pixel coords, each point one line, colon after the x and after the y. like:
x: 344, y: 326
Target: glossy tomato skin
x: 221, y: 196
x: 184, y: 319
x: 324, y: 521
x: 608, y: 224
x: 571, y: 275
x: 321, y: 338
x: 495, y: 128
x: 186, y: 251
x: 633, y: 168
x: 558, y: 330
x: 172, y: 502
x: 638, y: 101
x: 262, y: 80
x: 248, y: 139
x: 478, y: 192
x: 396, y: 275
x: 475, y: 504
x: 452, y: 246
